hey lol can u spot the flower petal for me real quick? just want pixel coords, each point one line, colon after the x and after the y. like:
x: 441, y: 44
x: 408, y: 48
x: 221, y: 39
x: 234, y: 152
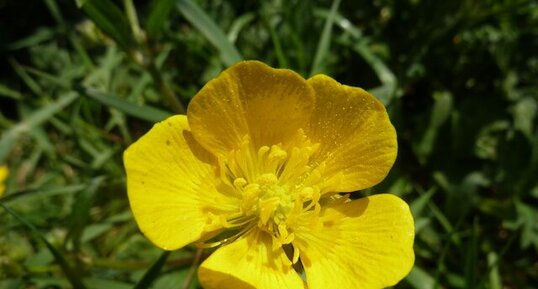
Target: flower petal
x: 365, y: 243
x: 250, y: 99
x: 249, y: 263
x: 170, y: 184
x: 3, y: 176
x: 357, y: 141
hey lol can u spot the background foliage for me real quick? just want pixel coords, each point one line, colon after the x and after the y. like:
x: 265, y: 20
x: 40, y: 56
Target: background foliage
x: 82, y: 80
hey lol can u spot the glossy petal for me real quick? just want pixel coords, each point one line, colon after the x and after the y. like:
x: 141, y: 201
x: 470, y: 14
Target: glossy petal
x: 249, y: 263
x: 3, y: 176
x: 250, y: 99
x: 365, y: 243
x: 357, y: 141
x: 171, y: 184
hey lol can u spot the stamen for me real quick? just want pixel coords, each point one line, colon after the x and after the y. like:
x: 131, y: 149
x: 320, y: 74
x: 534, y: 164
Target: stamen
x: 295, y: 255
x: 225, y: 241
x: 276, y: 187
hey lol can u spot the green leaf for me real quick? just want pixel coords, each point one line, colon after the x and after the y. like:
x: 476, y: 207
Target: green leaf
x: 277, y: 45
x: 43, y: 192
x: 325, y: 40
x: 27, y: 79
x: 8, y: 92
x: 110, y: 19
x: 41, y: 35
x: 418, y: 205
x: 10, y: 137
x: 441, y: 111
x: 144, y: 112
x: 494, y: 276
x: 524, y: 114
x: 238, y: 24
x: 389, y: 83
x: 98, y: 283
x: 153, y: 272
x: 359, y: 44
x: 420, y: 279
x: 80, y: 212
x: 55, y: 11
x: 199, y: 19
x: 160, y: 9
x: 69, y: 272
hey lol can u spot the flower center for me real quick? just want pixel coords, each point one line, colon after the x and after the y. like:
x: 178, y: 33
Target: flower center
x: 274, y: 186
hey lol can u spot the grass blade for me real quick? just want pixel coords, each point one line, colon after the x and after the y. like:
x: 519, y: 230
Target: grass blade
x: 110, y: 19
x: 153, y: 272
x: 389, y: 83
x: 80, y: 212
x: 199, y: 19
x: 420, y: 279
x: 325, y: 40
x: 144, y: 112
x: 40, y: 36
x: 239, y: 23
x: 8, y: 92
x: 160, y: 10
x: 62, y: 262
x: 10, y: 137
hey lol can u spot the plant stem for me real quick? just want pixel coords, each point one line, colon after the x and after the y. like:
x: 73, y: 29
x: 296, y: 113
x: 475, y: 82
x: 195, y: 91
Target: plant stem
x: 190, y: 276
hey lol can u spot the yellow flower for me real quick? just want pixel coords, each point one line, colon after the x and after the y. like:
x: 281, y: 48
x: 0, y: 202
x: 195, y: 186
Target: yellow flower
x: 3, y: 176
x: 258, y: 166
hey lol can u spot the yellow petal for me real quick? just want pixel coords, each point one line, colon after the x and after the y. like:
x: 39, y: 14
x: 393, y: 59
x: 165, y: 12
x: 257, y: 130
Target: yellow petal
x: 249, y: 263
x: 3, y: 176
x: 357, y: 141
x: 170, y: 184
x: 250, y: 98
x: 365, y: 243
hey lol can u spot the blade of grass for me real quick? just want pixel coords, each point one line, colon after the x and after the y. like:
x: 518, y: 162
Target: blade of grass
x: 8, y: 92
x: 10, y: 137
x: 192, y: 271
x: 41, y: 35
x: 280, y: 55
x: 389, y: 81
x: 153, y: 272
x: 110, y: 19
x: 29, y: 81
x: 133, y: 20
x: 239, y: 24
x: 386, y: 76
x: 71, y: 275
x: 418, y: 205
x: 325, y: 40
x: 144, y: 112
x: 55, y: 12
x: 160, y: 9
x: 71, y: 189
x: 199, y: 19
x: 420, y: 279
x: 80, y: 212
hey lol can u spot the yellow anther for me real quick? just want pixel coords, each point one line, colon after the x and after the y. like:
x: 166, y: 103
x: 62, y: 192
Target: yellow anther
x: 273, y: 185
x: 262, y: 151
x: 277, y: 153
x: 267, y: 207
x: 239, y: 183
x: 267, y: 179
x: 295, y: 255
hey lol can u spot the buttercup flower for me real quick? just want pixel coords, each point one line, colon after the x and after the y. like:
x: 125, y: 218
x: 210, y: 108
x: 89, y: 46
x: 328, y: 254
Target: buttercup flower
x: 260, y: 166
x: 3, y: 177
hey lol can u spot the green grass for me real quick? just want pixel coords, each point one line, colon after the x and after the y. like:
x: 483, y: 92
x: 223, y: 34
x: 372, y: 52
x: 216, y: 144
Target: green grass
x: 84, y: 80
